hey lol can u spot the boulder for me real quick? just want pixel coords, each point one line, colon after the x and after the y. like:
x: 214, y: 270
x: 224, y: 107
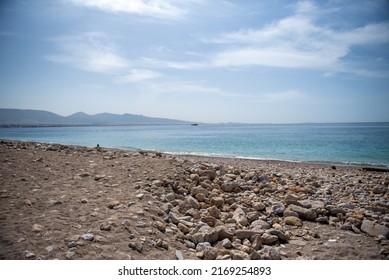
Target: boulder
x: 374, y: 229
x: 304, y: 213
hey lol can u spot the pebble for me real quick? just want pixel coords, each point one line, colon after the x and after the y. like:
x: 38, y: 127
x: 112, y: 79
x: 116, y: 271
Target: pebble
x: 38, y: 228
x: 29, y: 255
x: 179, y: 255
x: 240, y: 216
x: 269, y: 239
x: 136, y: 245
x: 113, y: 204
x: 88, y: 237
x: 293, y: 221
x: 49, y: 249
x: 160, y: 226
x: 226, y: 243
x: 69, y: 255
x: 106, y: 226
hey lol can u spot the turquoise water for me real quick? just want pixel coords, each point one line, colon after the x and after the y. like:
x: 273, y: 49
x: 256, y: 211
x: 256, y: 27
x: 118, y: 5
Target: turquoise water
x: 351, y: 143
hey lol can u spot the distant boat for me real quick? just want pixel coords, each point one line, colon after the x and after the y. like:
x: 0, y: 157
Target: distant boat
x: 194, y: 124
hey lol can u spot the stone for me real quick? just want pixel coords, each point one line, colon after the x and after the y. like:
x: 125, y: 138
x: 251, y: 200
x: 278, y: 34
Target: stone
x: 211, y: 221
x: 282, y: 237
x: 217, y: 201
x: 170, y: 196
x: 49, y: 249
x: 211, y: 236
x: 240, y: 216
x: 354, y: 221
x: 113, y: 204
x: 379, y: 189
x: 278, y: 209
x: 214, y: 212
x: 293, y: 221
x: 210, y: 253
x: 69, y: 255
x: 293, y: 199
x: 29, y: 255
x: 223, y: 232
x: 226, y: 243
x: 99, y: 177
x: 53, y: 202
x: 242, y: 234
x: 183, y: 228
x: 179, y: 255
x: 160, y: 226
x: 337, y: 210
x: 200, y: 197
x: 259, y: 206
x: 106, y: 226
x: 173, y: 217
x: 189, y: 244
x: 288, y: 213
x: 256, y: 241
x: 136, y: 245
x: 322, y: 220
x: 260, y: 224
x: 374, y: 229
x: 239, y: 255
x: 211, y: 174
x: 255, y: 255
x: 193, y: 202
x: 88, y: 236
x: 202, y: 245
x: 157, y: 183
x: 230, y: 186
x: 270, y: 253
x: 252, y: 216
x: 304, y: 213
x: 38, y: 228
x: 269, y: 239
x: 27, y: 202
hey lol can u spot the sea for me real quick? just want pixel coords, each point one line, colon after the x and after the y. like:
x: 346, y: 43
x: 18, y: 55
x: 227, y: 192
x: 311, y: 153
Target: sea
x: 337, y: 143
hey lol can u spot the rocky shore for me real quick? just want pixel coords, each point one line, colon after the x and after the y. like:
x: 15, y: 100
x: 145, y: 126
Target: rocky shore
x: 70, y: 202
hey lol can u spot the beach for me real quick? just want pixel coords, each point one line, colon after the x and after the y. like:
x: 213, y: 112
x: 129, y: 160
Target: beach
x: 73, y: 202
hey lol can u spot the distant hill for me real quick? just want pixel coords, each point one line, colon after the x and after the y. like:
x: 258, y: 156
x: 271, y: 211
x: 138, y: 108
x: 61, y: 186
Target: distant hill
x: 19, y: 117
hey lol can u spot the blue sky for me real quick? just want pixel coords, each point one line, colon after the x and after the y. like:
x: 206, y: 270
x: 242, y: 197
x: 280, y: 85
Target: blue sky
x: 205, y: 61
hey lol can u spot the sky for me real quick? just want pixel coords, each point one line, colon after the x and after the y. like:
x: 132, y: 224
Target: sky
x: 203, y: 61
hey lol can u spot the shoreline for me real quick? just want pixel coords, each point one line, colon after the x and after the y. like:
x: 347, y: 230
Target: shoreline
x: 368, y: 167
x: 74, y: 202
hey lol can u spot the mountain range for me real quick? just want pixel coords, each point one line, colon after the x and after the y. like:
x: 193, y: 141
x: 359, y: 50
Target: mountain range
x: 20, y: 117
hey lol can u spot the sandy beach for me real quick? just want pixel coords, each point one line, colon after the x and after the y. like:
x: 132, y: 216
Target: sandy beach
x: 71, y: 202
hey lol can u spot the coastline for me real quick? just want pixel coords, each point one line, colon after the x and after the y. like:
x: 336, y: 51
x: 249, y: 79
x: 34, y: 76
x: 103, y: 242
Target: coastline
x: 74, y: 202
x: 372, y: 167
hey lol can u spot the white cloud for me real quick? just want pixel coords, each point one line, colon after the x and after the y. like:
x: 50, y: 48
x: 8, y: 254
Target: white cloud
x: 182, y: 65
x: 137, y: 75
x: 89, y: 51
x: 274, y: 57
x: 283, y: 96
x: 152, y: 8
x: 297, y: 41
x: 186, y: 87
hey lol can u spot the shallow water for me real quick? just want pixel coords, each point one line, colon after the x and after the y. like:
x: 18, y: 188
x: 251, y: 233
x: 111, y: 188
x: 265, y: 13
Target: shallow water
x: 351, y: 143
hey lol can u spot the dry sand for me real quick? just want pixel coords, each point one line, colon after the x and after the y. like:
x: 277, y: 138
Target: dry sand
x: 70, y: 202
